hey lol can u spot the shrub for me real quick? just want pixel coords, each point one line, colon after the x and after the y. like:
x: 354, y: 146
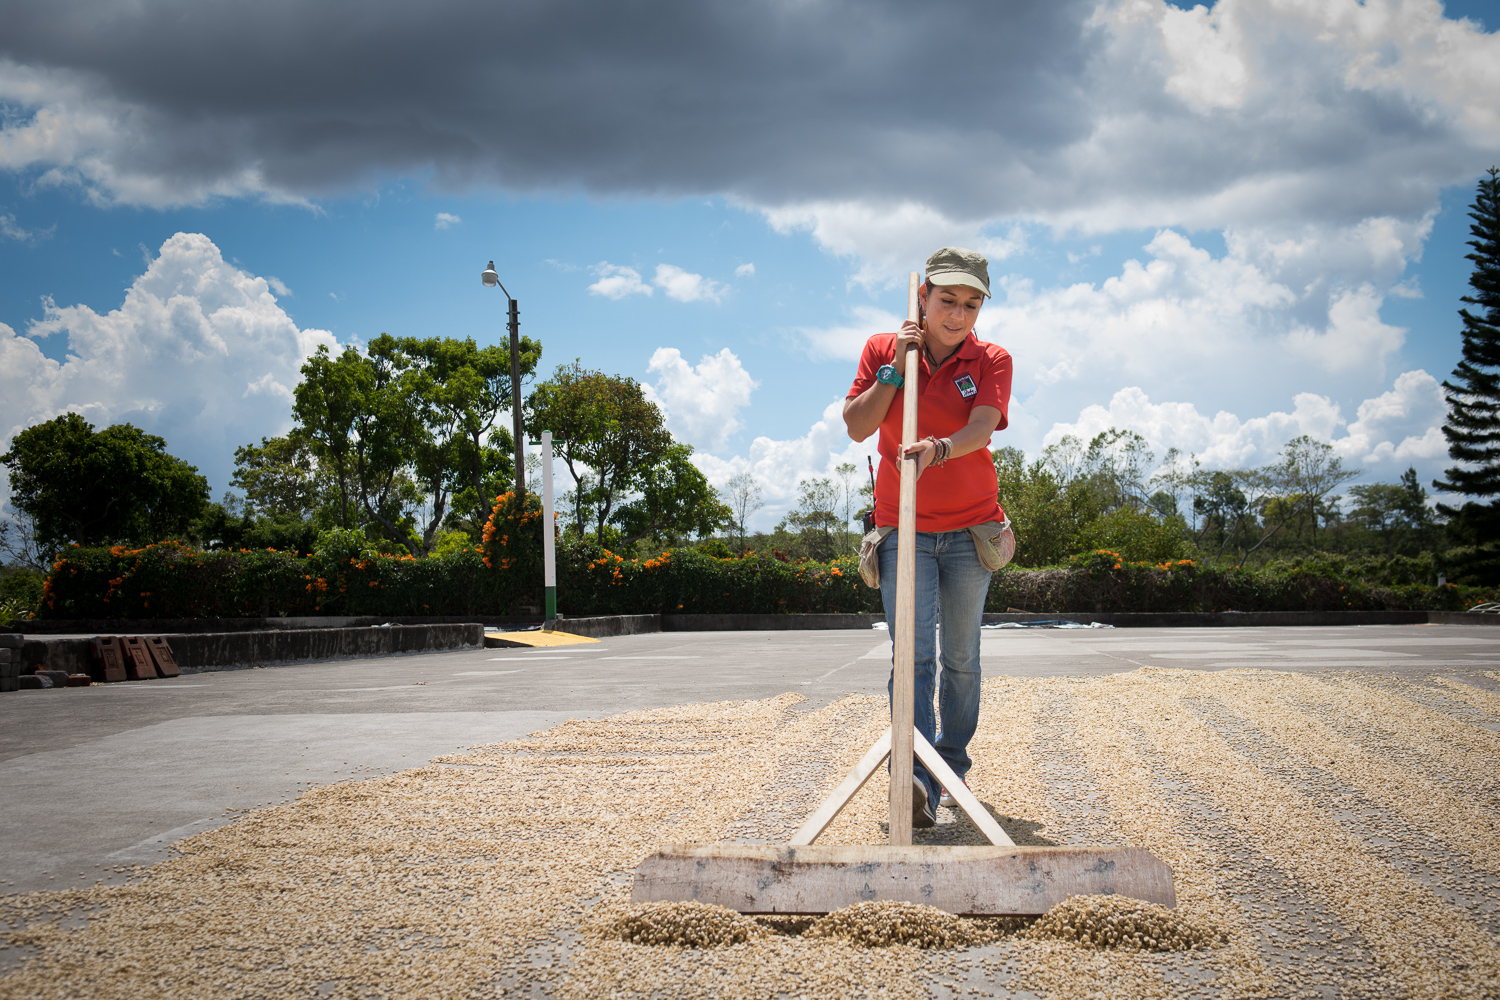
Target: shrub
x: 1105, y: 581
x: 503, y: 575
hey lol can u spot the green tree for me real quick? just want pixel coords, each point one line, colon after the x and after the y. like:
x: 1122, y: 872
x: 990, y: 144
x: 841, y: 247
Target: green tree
x: 1273, y: 508
x: 1396, y: 513
x: 360, y: 416
x: 1048, y: 512
x: 612, y: 437
x: 1473, y: 424
x: 745, y: 498
x: 117, y: 485
x: 1115, y: 464
x: 1224, y: 510
x: 674, y: 501
x: 816, y: 518
x: 462, y: 394
x: 282, y: 479
x: 850, y: 499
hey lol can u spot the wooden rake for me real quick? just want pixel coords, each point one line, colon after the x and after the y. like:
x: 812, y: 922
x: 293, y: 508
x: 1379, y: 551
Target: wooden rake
x: 805, y: 878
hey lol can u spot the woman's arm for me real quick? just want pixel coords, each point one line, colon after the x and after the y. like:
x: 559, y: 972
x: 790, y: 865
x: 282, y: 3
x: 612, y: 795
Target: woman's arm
x: 970, y: 437
x: 863, y: 414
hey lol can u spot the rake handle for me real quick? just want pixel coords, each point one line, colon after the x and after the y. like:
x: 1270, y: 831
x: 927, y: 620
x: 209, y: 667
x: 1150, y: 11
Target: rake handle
x: 903, y: 698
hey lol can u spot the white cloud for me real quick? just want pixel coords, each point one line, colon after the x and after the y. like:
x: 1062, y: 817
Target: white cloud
x: 1182, y: 318
x: 278, y: 286
x: 1403, y: 425
x: 616, y: 281
x: 1398, y: 428
x: 198, y: 352
x: 888, y: 241
x: 1353, y: 335
x: 744, y: 271
x: 13, y: 230
x: 1207, y: 52
x: 1220, y: 441
x: 845, y: 341
x: 445, y: 220
x: 779, y: 465
x: 702, y: 403
x: 684, y: 286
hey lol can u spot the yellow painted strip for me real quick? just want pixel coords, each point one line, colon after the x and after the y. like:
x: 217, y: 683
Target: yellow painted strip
x: 493, y: 640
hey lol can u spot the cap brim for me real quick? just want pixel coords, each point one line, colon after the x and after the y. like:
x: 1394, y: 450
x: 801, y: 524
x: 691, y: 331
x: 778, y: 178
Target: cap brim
x: 959, y: 278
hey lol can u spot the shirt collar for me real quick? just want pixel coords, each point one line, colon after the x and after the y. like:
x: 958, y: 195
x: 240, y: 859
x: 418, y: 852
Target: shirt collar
x: 970, y: 348
x: 967, y: 351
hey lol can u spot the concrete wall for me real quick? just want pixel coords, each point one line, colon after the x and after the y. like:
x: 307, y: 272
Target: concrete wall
x: 182, y: 626
x: 230, y: 650
x: 1186, y: 619
x: 607, y: 625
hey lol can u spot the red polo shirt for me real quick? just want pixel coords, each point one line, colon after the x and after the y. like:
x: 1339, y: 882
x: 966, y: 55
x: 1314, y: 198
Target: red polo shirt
x: 962, y: 491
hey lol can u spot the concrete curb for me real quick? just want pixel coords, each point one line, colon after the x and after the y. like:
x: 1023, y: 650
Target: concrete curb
x: 231, y: 650
x: 236, y: 650
x: 608, y: 625
x: 1236, y: 619
x: 1461, y: 618
x: 764, y: 623
x: 182, y: 626
x: 1178, y: 619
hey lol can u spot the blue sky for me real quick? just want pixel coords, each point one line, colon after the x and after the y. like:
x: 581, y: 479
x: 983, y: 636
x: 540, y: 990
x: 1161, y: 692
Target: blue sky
x: 1219, y: 227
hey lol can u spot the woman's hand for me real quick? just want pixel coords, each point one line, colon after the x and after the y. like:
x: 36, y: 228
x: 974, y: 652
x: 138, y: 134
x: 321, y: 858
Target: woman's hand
x: 924, y: 450
x: 911, y: 334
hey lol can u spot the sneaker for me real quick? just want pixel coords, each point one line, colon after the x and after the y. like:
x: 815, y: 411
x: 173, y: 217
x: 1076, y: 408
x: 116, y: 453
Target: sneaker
x: 923, y: 816
x: 949, y: 802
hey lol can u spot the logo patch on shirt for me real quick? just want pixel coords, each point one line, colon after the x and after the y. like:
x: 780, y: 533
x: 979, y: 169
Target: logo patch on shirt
x: 966, y: 386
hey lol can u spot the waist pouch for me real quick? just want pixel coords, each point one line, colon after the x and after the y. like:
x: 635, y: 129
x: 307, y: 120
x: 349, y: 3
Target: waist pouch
x: 994, y: 543
x: 869, y: 558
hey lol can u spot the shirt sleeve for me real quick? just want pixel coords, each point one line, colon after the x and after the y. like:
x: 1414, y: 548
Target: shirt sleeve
x: 877, y: 352
x: 994, y: 388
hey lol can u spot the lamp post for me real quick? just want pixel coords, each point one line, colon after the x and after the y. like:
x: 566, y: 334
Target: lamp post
x: 492, y: 280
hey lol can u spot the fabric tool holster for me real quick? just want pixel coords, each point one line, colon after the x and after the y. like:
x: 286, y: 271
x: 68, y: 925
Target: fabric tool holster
x: 994, y: 544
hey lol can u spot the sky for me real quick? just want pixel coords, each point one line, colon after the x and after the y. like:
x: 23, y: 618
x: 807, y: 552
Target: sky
x: 1220, y: 227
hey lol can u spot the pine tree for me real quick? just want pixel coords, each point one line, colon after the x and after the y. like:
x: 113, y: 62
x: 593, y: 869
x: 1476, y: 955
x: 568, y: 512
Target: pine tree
x: 1473, y: 424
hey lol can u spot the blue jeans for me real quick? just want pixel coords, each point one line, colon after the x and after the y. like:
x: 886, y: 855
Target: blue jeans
x: 951, y: 588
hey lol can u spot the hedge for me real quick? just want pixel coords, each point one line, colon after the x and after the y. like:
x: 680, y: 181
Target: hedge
x: 503, y: 574
x: 1103, y: 581
x: 171, y: 580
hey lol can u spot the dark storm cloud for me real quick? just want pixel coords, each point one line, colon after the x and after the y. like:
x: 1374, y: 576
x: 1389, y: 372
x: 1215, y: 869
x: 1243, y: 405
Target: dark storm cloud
x: 1099, y: 115
x: 768, y: 100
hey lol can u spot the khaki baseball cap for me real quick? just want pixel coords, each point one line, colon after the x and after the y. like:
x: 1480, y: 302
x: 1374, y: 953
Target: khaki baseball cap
x: 957, y: 266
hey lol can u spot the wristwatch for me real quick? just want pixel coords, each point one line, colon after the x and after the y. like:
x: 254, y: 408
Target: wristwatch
x: 890, y: 376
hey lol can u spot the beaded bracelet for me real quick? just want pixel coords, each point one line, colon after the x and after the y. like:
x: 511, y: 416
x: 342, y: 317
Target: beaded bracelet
x: 943, y: 447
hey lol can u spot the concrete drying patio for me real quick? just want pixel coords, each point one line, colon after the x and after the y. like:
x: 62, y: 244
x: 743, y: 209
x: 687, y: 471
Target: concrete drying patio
x: 1289, y: 804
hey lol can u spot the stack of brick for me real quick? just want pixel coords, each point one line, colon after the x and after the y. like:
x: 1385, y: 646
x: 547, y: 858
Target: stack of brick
x: 10, y: 662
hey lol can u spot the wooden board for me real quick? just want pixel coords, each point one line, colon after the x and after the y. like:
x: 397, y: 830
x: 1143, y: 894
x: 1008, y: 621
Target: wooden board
x: 847, y: 789
x: 137, y: 658
x: 109, y: 658
x: 977, y: 813
x: 161, y: 657
x: 500, y: 640
x: 973, y: 881
x: 866, y: 768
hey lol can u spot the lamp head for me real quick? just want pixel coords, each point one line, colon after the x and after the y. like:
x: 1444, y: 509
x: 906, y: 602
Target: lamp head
x: 489, y: 277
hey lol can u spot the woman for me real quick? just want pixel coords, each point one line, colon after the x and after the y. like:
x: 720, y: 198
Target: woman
x: 964, y: 386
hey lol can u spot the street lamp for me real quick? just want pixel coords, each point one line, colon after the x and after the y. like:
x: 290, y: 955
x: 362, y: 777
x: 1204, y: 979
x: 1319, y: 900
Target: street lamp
x: 492, y: 280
